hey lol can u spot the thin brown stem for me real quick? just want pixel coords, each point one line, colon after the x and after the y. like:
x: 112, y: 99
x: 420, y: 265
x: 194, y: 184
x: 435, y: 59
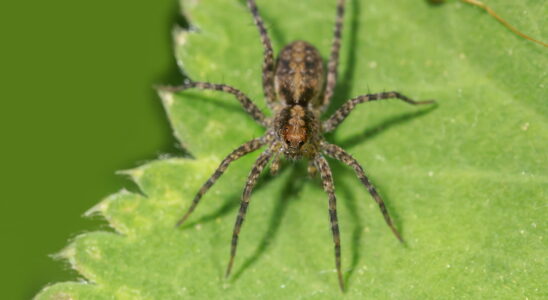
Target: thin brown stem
x: 502, y: 21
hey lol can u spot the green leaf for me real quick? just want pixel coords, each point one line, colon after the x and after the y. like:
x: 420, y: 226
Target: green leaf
x: 466, y: 181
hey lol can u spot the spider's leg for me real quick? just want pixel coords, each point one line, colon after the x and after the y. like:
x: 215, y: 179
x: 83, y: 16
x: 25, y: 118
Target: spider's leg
x: 259, y: 165
x: 341, y: 113
x: 244, y: 149
x: 334, y: 57
x: 312, y: 170
x: 246, y: 103
x: 275, y: 165
x: 268, y: 58
x: 329, y: 188
x: 341, y: 155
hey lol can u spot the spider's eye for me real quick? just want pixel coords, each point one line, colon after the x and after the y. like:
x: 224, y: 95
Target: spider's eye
x: 301, y: 143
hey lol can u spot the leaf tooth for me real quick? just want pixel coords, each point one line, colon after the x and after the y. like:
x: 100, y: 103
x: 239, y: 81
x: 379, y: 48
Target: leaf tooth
x: 88, y: 254
x: 66, y: 253
x: 101, y: 207
x: 167, y: 98
x: 135, y: 174
x: 116, y: 217
x: 71, y: 254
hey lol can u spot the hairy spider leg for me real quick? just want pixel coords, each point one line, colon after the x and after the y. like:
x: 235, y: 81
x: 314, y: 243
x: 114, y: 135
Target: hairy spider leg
x: 334, y: 57
x: 329, y: 188
x: 341, y: 155
x: 341, y: 113
x: 244, y: 149
x: 244, y: 100
x: 259, y: 165
x: 268, y: 58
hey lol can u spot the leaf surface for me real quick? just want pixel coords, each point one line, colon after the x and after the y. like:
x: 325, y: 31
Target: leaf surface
x: 466, y: 181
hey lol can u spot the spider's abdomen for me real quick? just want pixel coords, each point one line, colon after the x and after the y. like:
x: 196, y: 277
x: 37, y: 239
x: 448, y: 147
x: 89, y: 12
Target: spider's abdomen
x: 299, y: 73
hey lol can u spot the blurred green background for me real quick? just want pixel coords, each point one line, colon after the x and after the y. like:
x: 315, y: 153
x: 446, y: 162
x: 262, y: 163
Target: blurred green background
x: 76, y: 105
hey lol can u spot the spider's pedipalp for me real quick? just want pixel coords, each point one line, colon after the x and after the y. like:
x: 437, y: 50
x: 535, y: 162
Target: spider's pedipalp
x: 341, y: 113
x: 268, y: 56
x: 329, y: 188
x: 334, y: 58
x: 259, y: 165
x: 275, y: 164
x: 244, y: 149
x: 311, y: 169
x: 340, y: 154
x: 244, y: 100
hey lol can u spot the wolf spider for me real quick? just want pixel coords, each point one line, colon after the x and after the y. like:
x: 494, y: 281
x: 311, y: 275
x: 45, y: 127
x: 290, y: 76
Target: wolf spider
x: 293, y: 86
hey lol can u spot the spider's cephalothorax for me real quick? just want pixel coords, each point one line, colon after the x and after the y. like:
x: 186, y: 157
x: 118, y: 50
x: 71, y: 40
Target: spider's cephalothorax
x: 297, y: 90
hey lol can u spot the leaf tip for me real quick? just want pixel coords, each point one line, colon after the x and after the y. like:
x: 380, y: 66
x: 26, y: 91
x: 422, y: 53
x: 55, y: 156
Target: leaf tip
x: 68, y: 253
x: 166, y: 97
x: 135, y: 174
x: 97, y: 209
x: 103, y: 205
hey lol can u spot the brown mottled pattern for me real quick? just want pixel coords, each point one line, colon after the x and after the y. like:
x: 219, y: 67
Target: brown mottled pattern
x: 299, y: 129
x: 295, y: 130
x: 299, y: 73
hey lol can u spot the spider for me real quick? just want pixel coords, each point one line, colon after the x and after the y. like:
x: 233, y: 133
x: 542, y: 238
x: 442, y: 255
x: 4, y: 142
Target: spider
x: 298, y: 91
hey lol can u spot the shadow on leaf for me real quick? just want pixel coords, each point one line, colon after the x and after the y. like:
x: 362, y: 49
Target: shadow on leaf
x: 290, y: 191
